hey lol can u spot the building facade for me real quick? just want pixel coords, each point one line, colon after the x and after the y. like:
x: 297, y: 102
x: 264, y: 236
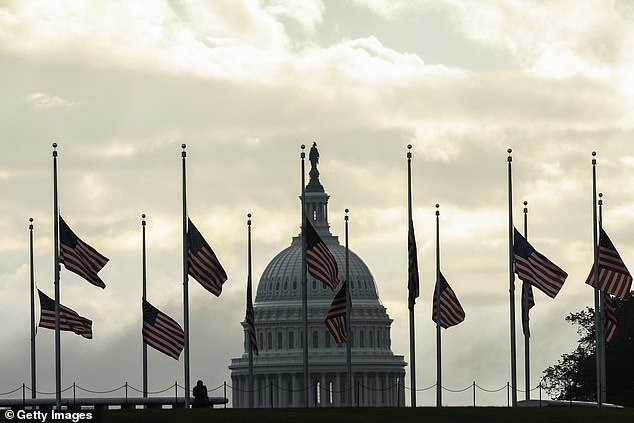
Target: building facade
x: 378, y: 374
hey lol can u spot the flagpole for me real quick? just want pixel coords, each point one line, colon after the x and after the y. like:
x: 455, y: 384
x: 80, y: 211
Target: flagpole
x: 597, y: 307
x: 512, y: 284
x: 602, y: 317
x: 412, y: 347
x: 438, y: 317
x: 142, y: 302
x: 348, y: 319
x: 527, y: 343
x: 33, y: 374
x: 185, y: 279
x: 249, y: 342
x: 58, y: 363
x: 304, y: 279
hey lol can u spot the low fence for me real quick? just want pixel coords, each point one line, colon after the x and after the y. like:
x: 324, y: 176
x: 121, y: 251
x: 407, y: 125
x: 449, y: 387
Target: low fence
x: 129, y: 396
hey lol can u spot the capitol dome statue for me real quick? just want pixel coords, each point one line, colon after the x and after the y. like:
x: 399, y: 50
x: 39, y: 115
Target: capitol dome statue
x: 377, y: 374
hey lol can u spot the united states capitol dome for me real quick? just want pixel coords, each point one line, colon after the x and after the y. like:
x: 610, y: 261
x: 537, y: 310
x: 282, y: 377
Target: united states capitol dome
x: 278, y: 369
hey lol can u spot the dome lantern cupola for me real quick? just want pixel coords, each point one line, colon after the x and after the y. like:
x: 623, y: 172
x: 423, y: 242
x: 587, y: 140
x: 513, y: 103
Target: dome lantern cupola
x: 316, y: 197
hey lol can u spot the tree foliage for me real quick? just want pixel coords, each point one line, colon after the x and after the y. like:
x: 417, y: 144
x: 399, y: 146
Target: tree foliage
x: 574, y: 375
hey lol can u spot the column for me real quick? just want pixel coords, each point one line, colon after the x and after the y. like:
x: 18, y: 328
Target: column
x: 336, y: 386
x: 323, y: 395
x: 364, y: 390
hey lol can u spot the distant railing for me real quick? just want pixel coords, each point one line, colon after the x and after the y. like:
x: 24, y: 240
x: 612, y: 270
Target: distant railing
x: 125, y: 400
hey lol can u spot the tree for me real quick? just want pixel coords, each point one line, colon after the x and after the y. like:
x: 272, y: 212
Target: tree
x: 574, y: 375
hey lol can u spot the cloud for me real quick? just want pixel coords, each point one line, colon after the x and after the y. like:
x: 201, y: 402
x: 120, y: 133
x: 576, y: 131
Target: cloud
x: 48, y: 101
x: 308, y: 14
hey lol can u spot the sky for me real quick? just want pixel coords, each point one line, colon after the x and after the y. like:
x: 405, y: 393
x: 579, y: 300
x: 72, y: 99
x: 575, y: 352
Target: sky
x: 121, y: 85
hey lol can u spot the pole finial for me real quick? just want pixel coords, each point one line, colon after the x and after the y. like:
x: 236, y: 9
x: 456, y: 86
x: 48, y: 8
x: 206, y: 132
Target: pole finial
x: 600, y: 194
x: 248, y: 219
x: 346, y: 216
x: 303, y: 155
x: 143, y: 219
x: 526, y: 203
x: 54, y: 145
x: 437, y: 209
x: 409, y: 151
x: 31, y: 219
x: 509, y: 150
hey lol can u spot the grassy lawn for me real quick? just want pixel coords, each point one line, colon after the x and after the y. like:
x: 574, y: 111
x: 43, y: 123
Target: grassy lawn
x: 369, y: 415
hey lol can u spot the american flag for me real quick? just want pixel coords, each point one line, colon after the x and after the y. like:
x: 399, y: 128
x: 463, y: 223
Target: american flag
x: 162, y: 332
x: 610, y: 318
x: 528, y: 302
x: 412, y: 268
x: 319, y: 260
x: 69, y: 320
x: 614, y: 278
x: 250, y: 319
x: 336, y: 317
x: 451, y: 312
x: 535, y: 269
x: 79, y: 257
x: 203, y: 265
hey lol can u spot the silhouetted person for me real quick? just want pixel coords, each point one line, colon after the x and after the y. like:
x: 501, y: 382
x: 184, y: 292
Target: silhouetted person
x: 201, y: 398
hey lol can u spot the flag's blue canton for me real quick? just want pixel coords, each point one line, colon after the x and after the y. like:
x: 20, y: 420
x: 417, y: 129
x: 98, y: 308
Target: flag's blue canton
x: 46, y: 303
x: 149, y: 313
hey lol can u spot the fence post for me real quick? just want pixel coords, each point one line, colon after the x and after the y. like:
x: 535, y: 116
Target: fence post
x: 474, y: 399
x: 225, y: 385
x: 398, y: 393
x: 23, y: 395
x: 508, y: 393
x: 271, y: 393
x: 74, y: 394
x: 540, y: 394
x: 126, y: 392
x: 175, y: 393
x: 357, y: 393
